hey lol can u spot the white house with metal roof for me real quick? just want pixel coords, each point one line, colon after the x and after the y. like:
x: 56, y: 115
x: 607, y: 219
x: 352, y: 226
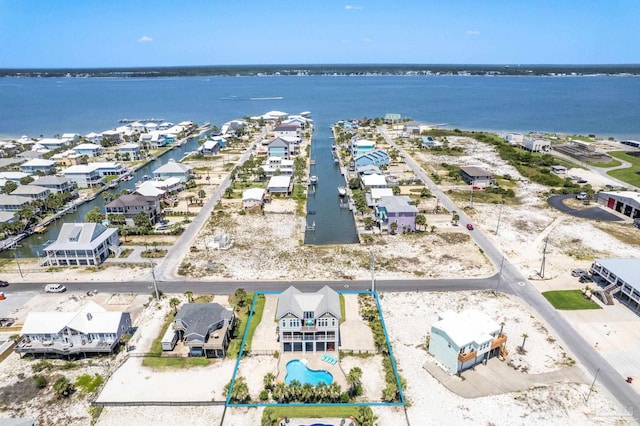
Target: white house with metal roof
x: 460, y: 340
x: 35, y: 165
x: 280, y: 185
x: 34, y: 192
x: 174, y: 169
x: 81, y: 244
x: 55, y: 184
x: 308, y: 322
x: 252, y: 197
x: 92, y: 329
x: 373, y: 181
x: 88, y: 149
x: 620, y: 275
x: 13, y: 203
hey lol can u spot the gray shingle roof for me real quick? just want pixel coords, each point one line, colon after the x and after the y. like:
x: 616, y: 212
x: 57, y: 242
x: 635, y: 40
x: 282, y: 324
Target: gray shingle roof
x: 133, y: 199
x: 81, y: 236
x: 200, y: 319
x: 295, y: 302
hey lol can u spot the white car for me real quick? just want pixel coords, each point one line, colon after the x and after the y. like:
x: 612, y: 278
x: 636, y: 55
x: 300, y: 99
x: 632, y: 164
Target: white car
x: 54, y: 288
x: 582, y: 196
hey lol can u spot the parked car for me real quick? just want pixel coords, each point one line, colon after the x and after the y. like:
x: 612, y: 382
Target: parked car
x: 4, y: 283
x: 586, y: 279
x: 581, y: 196
x: 582, y: 181
x: 608, y: 186
x: 54, y: 288
x: 469, y: 227
x: 578, y: 272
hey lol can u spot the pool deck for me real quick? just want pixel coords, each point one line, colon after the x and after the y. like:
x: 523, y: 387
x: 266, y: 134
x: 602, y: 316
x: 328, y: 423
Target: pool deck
x: 314, y: 362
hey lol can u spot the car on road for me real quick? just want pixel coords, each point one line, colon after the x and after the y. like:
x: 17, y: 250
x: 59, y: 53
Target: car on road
x: 469, y: 227
x: 4, y: 283
x: 609, y: 186
x: 578, y: 272
x: 54, y: 288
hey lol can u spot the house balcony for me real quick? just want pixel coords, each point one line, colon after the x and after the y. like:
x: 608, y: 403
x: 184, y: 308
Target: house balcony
x: 466, y: 357
x: 308, y: 328
x: 499, y: 341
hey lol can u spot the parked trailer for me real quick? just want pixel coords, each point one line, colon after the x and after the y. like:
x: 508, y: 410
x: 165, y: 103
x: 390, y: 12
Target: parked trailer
x: 169, y: 340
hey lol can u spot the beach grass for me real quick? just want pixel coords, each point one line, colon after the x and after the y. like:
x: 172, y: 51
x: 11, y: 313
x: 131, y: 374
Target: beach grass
x: 161, y: 363
x: 569, y: 300
x: 255, y: 320
x: 315, y: 412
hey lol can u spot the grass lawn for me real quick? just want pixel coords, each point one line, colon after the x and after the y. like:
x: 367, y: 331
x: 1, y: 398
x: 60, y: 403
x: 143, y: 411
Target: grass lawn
x: 315, y: 412
x: 569, y: 300
x: 629, y: 175
x: 612, y: 163
x: 255, y: 320
x: 160, y: 363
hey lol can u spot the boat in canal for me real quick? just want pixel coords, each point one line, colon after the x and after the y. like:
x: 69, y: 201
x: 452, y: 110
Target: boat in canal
x: 342, y: 191
x: 313, y: 180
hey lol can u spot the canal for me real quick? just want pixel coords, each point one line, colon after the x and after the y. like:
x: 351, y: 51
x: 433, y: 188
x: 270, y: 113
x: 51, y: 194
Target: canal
x: 33, y: 245
x: 333, y: 224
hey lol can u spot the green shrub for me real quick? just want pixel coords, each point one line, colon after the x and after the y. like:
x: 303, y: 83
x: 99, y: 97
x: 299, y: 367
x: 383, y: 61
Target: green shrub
x: 41, y: 381
x: 41, y: 366
x: 264, y: 395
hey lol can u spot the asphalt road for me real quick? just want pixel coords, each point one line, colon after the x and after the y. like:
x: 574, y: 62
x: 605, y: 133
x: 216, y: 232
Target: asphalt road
x: 593, y: 213
x: 513, y: 282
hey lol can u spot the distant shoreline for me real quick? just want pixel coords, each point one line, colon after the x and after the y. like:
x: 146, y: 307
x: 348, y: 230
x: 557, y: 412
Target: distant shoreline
x: 331, y: 70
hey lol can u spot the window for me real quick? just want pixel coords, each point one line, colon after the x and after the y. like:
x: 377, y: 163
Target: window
x: 308, y: 315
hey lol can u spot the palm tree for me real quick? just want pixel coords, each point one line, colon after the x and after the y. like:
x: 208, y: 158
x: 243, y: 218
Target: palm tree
x: 268, y: 380
x: 295, y: 390
x: 321, y: 392
x: 353, y: 379
x: 228, y: 192
x: 189, y: 295
x: 365, y: 416
x: 421, y: 220
x: 125, y: 339
x: 389, y: 393
x: 394, y: 227
x: 333, y: 392
x: 501, y: 327
x: 279, y: 392
x: 307, y: 393
x: 240, y: 391
x: 524, y: 339
x: 455, y: 218
x: 174, y: 303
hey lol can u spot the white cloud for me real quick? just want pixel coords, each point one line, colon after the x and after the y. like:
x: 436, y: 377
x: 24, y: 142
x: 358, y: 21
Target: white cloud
x: 472, y: 32
x: 351, y: 7
x: 145, y: 39
x: 367, y: 40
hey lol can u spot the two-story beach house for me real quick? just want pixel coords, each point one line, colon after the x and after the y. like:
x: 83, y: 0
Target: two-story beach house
x: 460, y: 340
x: 41, y: 165
x: 129, y: 152
x: 184, y: 172
x: 91, y: 330
x: 278, y: 166
x: 396, y: 209
x: 289, y: 131
x: 130, y: 205
x: 88, y: 149
x: 84, y: 176
x: 13, y: 203
x: 34, y: 192
x: 476, y: 176
x: 56, y: 184
x: 205, y: 328
x: 361, y: 146
x: 378, y: 158
x: 280, y: 147
x: 81, y: 244
x: 308, y: 322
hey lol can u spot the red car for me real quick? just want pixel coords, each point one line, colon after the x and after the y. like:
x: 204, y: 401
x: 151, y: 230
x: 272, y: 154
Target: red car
x: 469, y: 227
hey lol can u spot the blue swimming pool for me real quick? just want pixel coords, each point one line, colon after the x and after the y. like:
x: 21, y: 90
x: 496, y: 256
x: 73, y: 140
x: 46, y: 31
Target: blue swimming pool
x: 297, y: 370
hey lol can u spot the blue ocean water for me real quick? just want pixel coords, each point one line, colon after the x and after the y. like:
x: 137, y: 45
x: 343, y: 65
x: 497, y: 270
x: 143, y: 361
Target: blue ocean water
x: 606, y: 106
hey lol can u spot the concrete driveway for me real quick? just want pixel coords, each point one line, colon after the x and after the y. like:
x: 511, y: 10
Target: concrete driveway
x: 355, y: 334
x: 265, y: 338
x: 593, y: 213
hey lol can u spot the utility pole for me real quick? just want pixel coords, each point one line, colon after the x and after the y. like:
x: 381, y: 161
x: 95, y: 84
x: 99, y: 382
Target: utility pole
x: 471, y: 198
x: 592, y: 384
x: 499, y: 216
x: 495, y: 293
x: 155, y: 284
x: 544, y: 257
x: 373, y: 266
x: 18, y: 263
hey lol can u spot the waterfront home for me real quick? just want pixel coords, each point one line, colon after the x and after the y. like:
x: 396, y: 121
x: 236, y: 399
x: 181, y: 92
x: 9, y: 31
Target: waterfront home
x: 416, y: 128
x: 184, y: 172
x: 619, y: 276
x: 205, y: 328
x: 295, y: 120
x: 396, y: 209
x: 109, y: 168
x: 130, y: 205
x: 13, y: 176
x: 308, y: 322
x: 151, y: 126
x: 290, y: 131
x: 252, y: 197
x: 155, y: 139
x: 8, y: 217
x: 624, y: 202
x: 278, y: 166
x: 378, y: 158
x: 373, y: 181
x: 151, y: 187
x: 374, y: 196
x: 476, y: 176
x: 90, y: 330
x: 279, y: 147
x: 93, y: 137
x: 536, y: 145
x: 280, y: 185
x: 88, y: 149
x: 137, y: 126
x: 56, y: 184
x: 13, y: 203
x: 69, y: 158
x: 34, y: 192
x: 38, y: 165
x: 461, y: 340
x: 360, y: 146
x: 110, y: 137
x: 368, y: 169
x: 209, y: 147
x: 26, y: 142
x: 81, y: 244
x: 129, y: 152
x: 274, y: 116
x: 165, y: 125
x: 84, y: 175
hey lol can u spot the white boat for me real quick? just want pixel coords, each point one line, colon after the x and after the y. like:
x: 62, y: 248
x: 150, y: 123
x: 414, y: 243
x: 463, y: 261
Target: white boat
x: 314, y: 180
x: 342, y: 191
x: 336, y: 160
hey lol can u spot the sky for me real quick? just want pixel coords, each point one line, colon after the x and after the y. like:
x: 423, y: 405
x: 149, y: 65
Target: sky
x: 115, y: 33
